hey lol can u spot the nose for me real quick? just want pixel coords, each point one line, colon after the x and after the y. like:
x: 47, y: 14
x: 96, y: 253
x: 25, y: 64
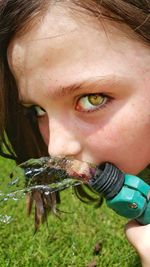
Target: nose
x: 62, y: 139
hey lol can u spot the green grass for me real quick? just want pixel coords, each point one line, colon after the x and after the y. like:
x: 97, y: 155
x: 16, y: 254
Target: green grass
x: 68, y: 242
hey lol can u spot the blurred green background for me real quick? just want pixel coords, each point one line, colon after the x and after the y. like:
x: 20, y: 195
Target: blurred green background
x: 84, y: 236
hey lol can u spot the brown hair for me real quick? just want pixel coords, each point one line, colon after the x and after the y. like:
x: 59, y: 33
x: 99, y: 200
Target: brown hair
x: 19, y: 135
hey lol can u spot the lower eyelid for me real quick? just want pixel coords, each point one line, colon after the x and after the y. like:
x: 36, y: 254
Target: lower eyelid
x: 97, y: 109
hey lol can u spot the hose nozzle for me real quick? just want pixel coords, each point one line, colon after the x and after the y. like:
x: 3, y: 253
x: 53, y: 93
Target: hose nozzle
x: 107, y: 180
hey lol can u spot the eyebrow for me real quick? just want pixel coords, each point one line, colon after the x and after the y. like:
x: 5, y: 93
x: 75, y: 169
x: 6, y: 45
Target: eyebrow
x: 95, y: 84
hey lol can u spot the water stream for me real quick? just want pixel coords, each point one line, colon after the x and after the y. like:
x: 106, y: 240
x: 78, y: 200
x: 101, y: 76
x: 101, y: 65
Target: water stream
x: 39, y: 178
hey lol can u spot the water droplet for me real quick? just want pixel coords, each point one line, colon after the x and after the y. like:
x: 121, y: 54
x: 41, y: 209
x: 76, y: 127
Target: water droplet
x: 46, y: 193
x: 6, y: 219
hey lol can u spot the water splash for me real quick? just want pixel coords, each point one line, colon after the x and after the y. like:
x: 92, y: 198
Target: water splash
x: 39, y: 178
x: 47, y: 174
x: 6, y: 219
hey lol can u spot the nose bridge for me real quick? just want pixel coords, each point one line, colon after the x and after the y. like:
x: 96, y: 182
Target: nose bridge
x: 62, y: 139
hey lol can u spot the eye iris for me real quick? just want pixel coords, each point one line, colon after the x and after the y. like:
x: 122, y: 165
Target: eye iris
x: 95, y: 99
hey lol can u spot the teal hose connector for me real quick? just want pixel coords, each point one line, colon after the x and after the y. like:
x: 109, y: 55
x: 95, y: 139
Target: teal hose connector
x: 127, y: 195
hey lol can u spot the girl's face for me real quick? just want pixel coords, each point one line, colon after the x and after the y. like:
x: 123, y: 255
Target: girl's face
x: 89, y: 83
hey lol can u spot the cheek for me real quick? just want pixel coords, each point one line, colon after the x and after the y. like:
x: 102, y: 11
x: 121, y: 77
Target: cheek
x: 124, y: 141
x: 44, y: 129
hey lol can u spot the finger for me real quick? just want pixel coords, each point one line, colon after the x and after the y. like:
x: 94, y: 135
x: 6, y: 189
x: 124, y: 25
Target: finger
x: 139, y: 236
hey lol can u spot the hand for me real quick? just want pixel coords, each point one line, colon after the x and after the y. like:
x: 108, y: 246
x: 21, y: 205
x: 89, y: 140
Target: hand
x: 139, y: 237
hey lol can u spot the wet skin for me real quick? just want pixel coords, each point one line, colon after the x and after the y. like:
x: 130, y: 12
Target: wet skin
x: 93, y: 86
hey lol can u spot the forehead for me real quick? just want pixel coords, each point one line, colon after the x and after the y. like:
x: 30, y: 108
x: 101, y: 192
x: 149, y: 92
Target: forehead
x: 59, y: 37
x: 55, y: 28
x: 50, y: 26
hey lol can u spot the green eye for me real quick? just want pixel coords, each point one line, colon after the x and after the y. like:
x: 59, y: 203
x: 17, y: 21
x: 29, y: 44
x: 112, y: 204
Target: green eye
x: 91, y: 102
x: 95, y: 100
x: 39, y: 111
